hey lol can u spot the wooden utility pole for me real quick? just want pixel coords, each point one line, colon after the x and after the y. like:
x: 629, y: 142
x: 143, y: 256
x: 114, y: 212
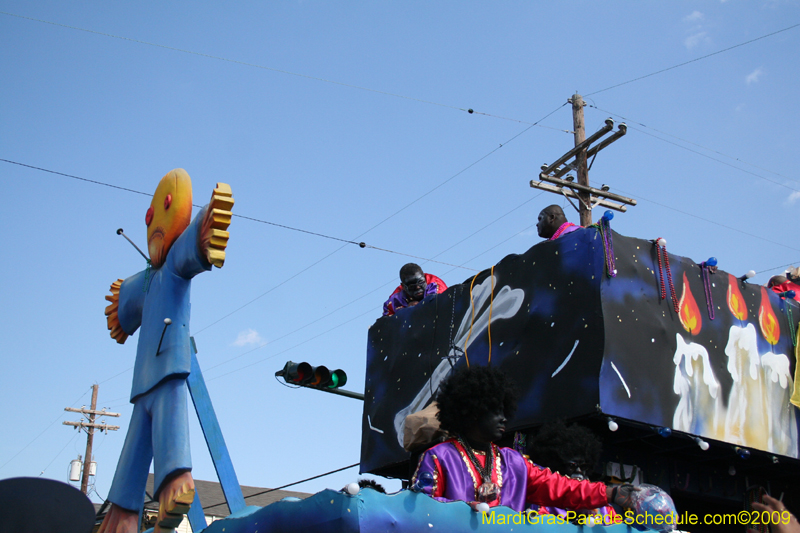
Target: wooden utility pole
x: 90, y: 427
x: 553, y: 175
x: 580, y: 159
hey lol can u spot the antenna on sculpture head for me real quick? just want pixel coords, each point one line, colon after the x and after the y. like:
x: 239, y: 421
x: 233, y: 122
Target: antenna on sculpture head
x: 121, y: 232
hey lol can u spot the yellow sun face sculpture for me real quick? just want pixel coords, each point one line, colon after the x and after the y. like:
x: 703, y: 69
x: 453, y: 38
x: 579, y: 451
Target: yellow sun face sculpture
x: 169, y: 214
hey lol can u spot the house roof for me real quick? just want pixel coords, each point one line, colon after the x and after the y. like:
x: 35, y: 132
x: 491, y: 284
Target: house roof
x: 213, y: 499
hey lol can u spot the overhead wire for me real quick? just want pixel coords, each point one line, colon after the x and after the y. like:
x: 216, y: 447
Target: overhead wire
x: 59, y: 417
x: 428, y: 102
x: 694, y: 60
x: 309, y: 339
x: 629, y: 120
x: 72, y: 438
x: 363, y: 245
x: 461, y: 171
x: 280, y: 71
x: 390, y: 282
x: 717, y: 160
x: 778, y: 267
x: 409, y: 205
x: 360, y: 244
x: 716, y: 223
x: 287, y: 485
x: 236, y: 215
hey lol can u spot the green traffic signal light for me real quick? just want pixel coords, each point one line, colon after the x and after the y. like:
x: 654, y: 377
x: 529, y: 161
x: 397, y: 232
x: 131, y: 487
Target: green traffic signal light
x: 312, y: 376
x: 338, y: 379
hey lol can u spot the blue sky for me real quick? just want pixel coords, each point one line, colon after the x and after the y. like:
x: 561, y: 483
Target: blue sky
x: 348, y: 119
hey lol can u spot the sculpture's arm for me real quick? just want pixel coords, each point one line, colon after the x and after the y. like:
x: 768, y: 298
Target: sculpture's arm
x: 213, y: 235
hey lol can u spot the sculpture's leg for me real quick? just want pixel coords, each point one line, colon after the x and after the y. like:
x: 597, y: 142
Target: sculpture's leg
x: 119, y: 520
x: 127, y: 489
x: 171, y: 453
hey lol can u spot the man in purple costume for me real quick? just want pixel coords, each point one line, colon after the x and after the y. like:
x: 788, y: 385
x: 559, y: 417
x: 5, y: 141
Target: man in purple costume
x: 414, y: 286
x: 553, y: 223
x: 473, y: 404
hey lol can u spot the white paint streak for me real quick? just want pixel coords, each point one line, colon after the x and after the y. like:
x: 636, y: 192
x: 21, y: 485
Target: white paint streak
x: 373, y: 428
x: 567, y: 361
x: 621, y: 379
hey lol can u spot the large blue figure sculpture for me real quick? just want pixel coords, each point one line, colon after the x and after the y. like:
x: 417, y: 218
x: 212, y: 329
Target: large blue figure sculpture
x: 157, y: 301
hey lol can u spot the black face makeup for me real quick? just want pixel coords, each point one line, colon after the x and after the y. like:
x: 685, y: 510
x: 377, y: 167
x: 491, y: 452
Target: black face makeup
x: 414, y: 286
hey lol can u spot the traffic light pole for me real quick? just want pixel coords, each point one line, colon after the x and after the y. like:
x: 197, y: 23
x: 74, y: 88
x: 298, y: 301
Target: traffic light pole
x: 317, y: 378
x: 340, y: 392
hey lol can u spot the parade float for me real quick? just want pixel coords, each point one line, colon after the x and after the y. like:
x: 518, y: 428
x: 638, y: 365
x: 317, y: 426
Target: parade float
x: 685, y: 371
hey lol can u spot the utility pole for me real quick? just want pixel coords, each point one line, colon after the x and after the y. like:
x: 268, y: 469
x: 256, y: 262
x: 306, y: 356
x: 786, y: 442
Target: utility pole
x: 580, y: 158
x: 588, y: 197
x: 90, y: 427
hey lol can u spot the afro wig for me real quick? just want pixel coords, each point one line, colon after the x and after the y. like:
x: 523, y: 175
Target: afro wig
x: 469, y: 393
x: 556, y: 444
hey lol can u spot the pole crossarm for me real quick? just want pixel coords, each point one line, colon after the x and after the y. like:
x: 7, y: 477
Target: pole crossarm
x: 553, y: 177
x: 571, y: 194
x: 583, y: 188
x: 556, y: 165
x: 585, y: 144
x: 91, y: 412
x: 622, y: 129
x: 102, y: 427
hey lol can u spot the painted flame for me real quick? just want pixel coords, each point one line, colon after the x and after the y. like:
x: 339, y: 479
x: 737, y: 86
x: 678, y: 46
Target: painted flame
x: 688, y: 313
x: 767, y: 319
x: 735, y: 300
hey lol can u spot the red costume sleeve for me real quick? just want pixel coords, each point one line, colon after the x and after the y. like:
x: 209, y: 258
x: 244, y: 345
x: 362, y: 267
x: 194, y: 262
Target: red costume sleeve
x: 788, y: 286
x: 548, y: 488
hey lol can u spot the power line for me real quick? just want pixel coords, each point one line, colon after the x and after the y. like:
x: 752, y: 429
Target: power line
x: 694, y: 60
x: 759, y: 237
x: 715, y: 159
x: 496, y: 245
x: 360, y: 244
x: 777, y: 267
x: 391, y: 282
x: 371, y: 310
x: 253, y: 219
x: 364, y: 245
x: 461, y: 172
x: 287, y: 485
x: 486, y: 226
x: 694, y: 144
x: 318, y: 261
x: 42, y: 433
x: 74, y: 435
x: 77, y: 177
x: 280, y: 71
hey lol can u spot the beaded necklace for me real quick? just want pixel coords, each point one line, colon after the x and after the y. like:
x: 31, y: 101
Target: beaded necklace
x: 561, y: 230
x: 705, y: 270
x: 488, y: 490
x: 661, y: 269
x: 608, y: 247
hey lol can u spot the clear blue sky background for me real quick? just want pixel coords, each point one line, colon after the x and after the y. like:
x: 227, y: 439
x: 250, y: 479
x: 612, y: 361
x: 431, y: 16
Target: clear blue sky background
x: 332, y: 117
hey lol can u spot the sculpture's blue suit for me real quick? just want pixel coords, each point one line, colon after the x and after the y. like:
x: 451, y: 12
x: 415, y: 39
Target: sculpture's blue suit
x: 159, y: 427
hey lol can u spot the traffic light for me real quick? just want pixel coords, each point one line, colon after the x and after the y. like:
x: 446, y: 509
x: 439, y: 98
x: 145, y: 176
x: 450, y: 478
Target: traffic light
x: 318, y: 377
